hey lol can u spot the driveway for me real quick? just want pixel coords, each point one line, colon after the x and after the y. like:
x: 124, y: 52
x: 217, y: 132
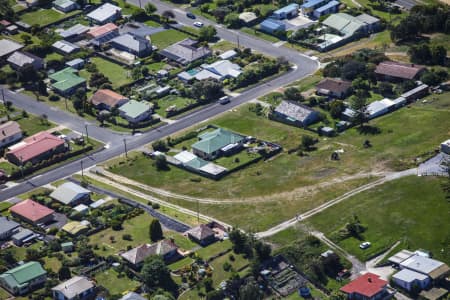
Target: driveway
x: 59, y: 221
x: 434, y: 166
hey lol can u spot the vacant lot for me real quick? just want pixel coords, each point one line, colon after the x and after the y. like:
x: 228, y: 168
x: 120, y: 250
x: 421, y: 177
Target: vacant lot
x: 117, y: 74
x: 44, y: 17
x: 412, y: 210
x: 114, y: 284
x: 166, y: 38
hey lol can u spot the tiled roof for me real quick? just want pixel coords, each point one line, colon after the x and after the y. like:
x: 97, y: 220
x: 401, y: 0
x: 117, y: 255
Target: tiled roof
x: 201, y: 232
x: 139, y: 254
x: 334, y: 85
x: 398, y: 70
x: 101, y: 30
x: 367, y: 285
x: 107, y: 97
x: 31, y: 210
x: 293, y: 110
x: 8, y: 129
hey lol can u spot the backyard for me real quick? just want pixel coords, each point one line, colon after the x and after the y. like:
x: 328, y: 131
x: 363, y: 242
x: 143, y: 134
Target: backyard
x: 115, y: 283
x: 117, y: 74
x: 166, y: 38
x: 43, y: 17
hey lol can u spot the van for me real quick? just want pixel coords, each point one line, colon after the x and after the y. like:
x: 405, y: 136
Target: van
x: 224, y: 100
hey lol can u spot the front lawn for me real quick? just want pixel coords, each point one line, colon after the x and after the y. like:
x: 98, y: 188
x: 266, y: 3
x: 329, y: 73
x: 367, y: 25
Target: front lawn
x: 44, y: 17
x: 172, y: 100
x: 116, y: 284
x: 166, y: 38
x: 412, y: 210
x: 34, y: 124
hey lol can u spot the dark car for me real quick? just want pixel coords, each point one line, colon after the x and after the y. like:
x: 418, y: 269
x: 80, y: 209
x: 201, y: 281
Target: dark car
x: 190, y: 15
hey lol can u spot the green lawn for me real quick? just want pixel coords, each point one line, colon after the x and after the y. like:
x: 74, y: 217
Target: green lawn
x: 260, y: 34
x: 166, y: 38
x: 52, y: 263
x: 182, y: 242
x: 116, y: 284
x: 44, y: 17
x: 219, y: 274
x: 116, y: 73
x: 8, y: 167
x: 4, y: 294
x: 214, y: 249
x: 181, y: 263
x: 34, y: 124
x: 170, y: 100
x: 234, y: 161
x: 412, y: 210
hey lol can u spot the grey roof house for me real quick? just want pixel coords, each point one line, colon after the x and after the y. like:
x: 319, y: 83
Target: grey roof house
x: 295, y: 114
x: 23, y: 236
x: 75, y: 32
x: 7, y: 228
x: 19, y: 59
x: 136, y: 256
x: 71, y: 194
x: 7, y: 47
x: 65, y: 6
x: 185, y: 52
x: 76, y: 288
x: 201, y: 234
x: 132, y: 296
x: 105, y: 14
x: 65, y: 47
x: 136, y: 45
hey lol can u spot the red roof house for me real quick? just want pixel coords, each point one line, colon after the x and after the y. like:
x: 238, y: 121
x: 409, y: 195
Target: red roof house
x: 368, y: 286
x: 102, y: 30
x: 391, y: 70
x: 36, y: 148
x: 32, y: 212
x: 107, y: 99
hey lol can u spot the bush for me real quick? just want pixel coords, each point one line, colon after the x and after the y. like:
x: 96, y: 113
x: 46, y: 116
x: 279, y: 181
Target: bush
x: 226, y: 266
x: 155, y: 206
x: 127, y: 237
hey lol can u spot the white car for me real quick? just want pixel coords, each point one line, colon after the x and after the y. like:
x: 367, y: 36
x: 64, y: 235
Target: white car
x: 364, y: 245
x: 198, y: 24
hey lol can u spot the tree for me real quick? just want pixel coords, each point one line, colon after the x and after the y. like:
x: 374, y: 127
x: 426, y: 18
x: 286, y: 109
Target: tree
x: 430, y: 78
x: 294, y: 94
x: 32, y: 254
x: 385, y: 88
x: 307, y: 142
x: 160, y: 145
x: 207, y: 33
x: 155, y: 273
x: 438, y: 55
x: 150, y: 8
x: 359, y: 105
x: 262, y: 250
x: 167, y: 15
x: 155, y: 231
x: 27, y: 74
x: 336, y: 108
x: 250, y: 291
x: 232, y: 20
x: 206, y: 90
x: 98, y: 79
x: 161, y: 162
x: 64, y: 273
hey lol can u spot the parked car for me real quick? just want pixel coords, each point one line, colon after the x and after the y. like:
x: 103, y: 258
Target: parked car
x: 364, y: 245
x: 190, y: 15
x: 198, y: 24
x: 224, y: 100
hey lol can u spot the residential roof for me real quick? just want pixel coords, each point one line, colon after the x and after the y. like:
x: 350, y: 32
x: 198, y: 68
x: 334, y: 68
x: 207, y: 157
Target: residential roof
x: 185, y: 156
x: 185, y: 51
x: 273, y: 24
x: 344, y: 23
x: 409, y: 276
x: 107, y: 97
x: 81, y: 208
x: 8, y: 129
x: 329, y: 5
x: 65, y: 46
x: 104, y: 12
x: 228, y: 54
x: 224, y: 68
x: 74, y: 286
x: 312, y: 3
x: 132, y: 296
x: 398, y: 70
x: 134, y: 109
x: 196, y: 163
x: 35, y: 145
x: 68, y: 191
x: 63, y: 3
x: 66, y: 79
x: 23, y: 234
x: 7, y: 225
x: 295, y: 111
x: 287, y: 8
x: 201, y: 232
x: 8, y: 47
x: 425, y: 265
x: 248, y: 16
x: 140, y: 253
x: 74, y: 62
x: 334, y: 85
x: 102, y: 30
x: 367, y: 285
x: 74, y: 227
x: 31, y: 210
x: 400, y: 256
x: 5, y: 23
x: 22, y: 58
x: 76, y: 29
x: 378, y: 106
x: 212, y: 141
x: 21, y: 275
x: 415, y: 90
x: 133, y: 42
x: 368, y: 19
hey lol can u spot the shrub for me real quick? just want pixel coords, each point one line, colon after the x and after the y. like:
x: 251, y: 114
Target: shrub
x: 226, y: 266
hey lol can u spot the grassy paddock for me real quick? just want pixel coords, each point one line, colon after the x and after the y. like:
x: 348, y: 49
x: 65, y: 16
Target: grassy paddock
x: 166, y: 38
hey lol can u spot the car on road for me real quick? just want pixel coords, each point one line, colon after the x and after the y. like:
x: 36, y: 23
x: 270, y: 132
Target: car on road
x: 224, y: 100
x: 364, y: 245
x: 198, y: 24
x: 190, y: 15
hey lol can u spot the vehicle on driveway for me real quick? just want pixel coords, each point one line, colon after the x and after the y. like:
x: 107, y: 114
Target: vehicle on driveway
x: 190, y: 15
x: 198, y: 24
x: 364, y: 245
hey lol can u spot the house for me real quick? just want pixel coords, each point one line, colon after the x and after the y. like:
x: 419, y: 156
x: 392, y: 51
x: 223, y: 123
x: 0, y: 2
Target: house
x: 76, y: 288
x: 71, y: 194
x: 74, y: 33
x: 309, y: 6
x: 424, y: 265
x: 12, y: 29
x: 105, y: 14
x: 295, y: 114
x: 65, y: 48
x: 220, y: 70
x: 23, y: 236
x: 76, y: 63
x: 65, y: 6
x: 217, y: 143
x: 10, y: 133
x: 416, y: 93
x: 410, y: 280
x: 7, y: 228
x: 368, y: 287
x: 288, y: 12
x: 132, y: 296
x: 7, y: 47
x: 201, y: 234
x: 135, y: 111
x: 105, y: 99
x: 36, y: 148
x: 19, y: 59
x: 136, y: 256
x: 103, y: 34
x: 272, y: 26
x: 334, y: 87
x: 379, y: 108
x: 81, y: 209
x: 185, y: 52
x: 395, y: 71
x: 134, y: 44
x: 371, y: 23
x: 445, y: 147
x: 5, y: 23
x: 32, y: 212
x: 400, y: 257
x: 193, y: 163
x: 248, y: 17
x: 75, y: 228
x: 24, y: 278
x: 330, y: 7
x: 66, y: 81
x: 228, y: 54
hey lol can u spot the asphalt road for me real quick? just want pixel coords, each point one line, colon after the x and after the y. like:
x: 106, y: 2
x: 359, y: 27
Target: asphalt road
x: 303, y: 66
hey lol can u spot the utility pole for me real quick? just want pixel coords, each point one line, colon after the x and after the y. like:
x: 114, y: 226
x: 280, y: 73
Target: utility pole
x: 87, y: 134
x: 82, y: 170
x: 21, y: 164
x: 3, y: 96
x: 237, y: 36
x: 125, y: 146
x: 198, y: 211
x: 140, y: 4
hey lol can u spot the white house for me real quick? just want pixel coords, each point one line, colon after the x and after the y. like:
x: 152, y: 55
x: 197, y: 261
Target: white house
x: 409, y: 280
x: 105, y: 14
x: 76, y: 288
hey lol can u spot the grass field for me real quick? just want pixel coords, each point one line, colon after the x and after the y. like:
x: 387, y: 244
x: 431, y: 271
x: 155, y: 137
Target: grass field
x: 412, y: 210
x: 260, y: 34
x: 170, y: 100
x: 114, y: 284
x: 4, y: 294
x: 44, y: 17
x: 168, y: 37
x: 116, y: 73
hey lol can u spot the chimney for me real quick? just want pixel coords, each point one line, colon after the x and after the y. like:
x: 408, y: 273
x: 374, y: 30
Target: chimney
x: 369, y: 279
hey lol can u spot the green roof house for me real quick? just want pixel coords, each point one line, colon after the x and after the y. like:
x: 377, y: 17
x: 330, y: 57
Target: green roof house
x: 24, y: 278
x: 66, y: 81
x: 135, y: 111
x: 216, y: 143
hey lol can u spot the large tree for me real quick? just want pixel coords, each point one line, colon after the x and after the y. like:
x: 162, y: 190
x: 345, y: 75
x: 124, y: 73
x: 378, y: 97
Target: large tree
x: 149, y: 8
x: 207, y: 33
x: 359, y: 105
x: 250, y: 291
x: 155, y: 230
x: 155, y: 273
x: 207, y: 90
